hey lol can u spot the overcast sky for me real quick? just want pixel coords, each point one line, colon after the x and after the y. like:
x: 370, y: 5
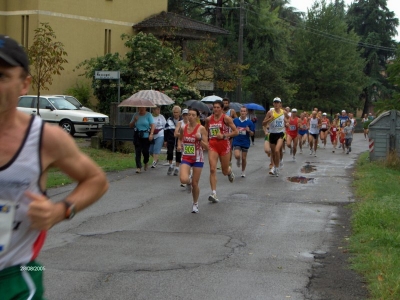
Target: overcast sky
x: 393, y: 5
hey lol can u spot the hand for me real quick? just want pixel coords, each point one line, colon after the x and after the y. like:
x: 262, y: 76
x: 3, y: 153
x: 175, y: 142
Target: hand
x: 151, y: 137
x: 247, y: 128
x: 179, y: 148
x: 43, y: 213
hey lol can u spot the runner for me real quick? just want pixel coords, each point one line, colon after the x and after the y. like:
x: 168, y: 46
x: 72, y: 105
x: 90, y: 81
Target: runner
x: 276, y: 118
x: 348, y: 132
x: 365, y: 122
x: 343, y: 118
x: 353, y: 121
x: 241, y: 142
x: 303, y: 131
x: 314, y: 124
x: 325, y: 125
x: 292, y: 132
x: 333, y: 132
x: 218, y: 126
x: 230, y: 113
x: 267, y: 146
x: 192, y: 140
x: 29, y: 149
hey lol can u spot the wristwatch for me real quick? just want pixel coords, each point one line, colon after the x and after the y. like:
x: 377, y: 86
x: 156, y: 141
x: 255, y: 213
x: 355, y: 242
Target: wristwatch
x: 69, y: 209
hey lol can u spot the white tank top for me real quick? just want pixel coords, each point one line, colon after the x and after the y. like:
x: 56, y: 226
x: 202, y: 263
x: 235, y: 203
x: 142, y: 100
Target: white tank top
x: 20, y: 174
x: 314, y: 126
x: 278, y: 124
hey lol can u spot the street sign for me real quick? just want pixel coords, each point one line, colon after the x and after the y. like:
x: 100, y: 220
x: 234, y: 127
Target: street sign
x: 106, y: 75
x: 205, y: 85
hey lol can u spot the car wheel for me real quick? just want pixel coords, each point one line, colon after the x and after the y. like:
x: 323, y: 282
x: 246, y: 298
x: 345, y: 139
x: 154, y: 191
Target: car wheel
x: 90, y: 134
x: 67, y: 126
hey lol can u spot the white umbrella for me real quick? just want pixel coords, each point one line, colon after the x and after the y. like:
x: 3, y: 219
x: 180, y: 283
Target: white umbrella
x: 156, y: 97
x: 211, y: 99
x: 136, y: 102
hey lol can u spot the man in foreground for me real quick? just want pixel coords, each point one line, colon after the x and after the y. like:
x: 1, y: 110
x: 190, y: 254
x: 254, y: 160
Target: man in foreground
x: 28, y: 149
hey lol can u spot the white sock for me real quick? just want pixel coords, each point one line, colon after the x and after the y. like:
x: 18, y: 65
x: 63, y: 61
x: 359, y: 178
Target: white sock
x: 214, y: 192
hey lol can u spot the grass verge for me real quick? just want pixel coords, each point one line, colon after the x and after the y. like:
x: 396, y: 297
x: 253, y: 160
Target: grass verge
x: 376, y: 226
x: 107, y: 160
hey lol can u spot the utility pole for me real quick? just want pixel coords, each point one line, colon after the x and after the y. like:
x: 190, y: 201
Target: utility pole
x: 240, y: 52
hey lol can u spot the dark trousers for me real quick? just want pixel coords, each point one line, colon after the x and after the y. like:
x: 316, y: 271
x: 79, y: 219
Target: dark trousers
x: 171, y: 145
x: 142, y: 147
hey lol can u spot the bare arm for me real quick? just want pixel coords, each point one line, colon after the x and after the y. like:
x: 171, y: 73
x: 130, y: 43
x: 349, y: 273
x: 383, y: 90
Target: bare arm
x: 268, y: 118
x: 177, y: 129
x: 234, y: 131
x: 204, y: 138
x: 59, y: 150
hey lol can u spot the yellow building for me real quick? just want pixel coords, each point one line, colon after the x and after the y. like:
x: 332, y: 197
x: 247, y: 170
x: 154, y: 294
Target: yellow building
x: 87, y: 28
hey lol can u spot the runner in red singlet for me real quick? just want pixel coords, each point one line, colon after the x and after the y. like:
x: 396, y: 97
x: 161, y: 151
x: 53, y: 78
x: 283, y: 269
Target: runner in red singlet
x: 218, y: 125
x: 292, y: 127
x: 324, y: 130
x: 333, y: 132
x: 192, y: 140
x: 303, y: 131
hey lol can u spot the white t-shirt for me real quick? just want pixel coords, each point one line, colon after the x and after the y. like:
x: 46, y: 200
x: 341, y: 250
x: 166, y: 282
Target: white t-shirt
x: 159, y: 123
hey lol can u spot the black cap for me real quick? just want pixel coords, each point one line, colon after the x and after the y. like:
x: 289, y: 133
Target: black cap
x: 13, y: 53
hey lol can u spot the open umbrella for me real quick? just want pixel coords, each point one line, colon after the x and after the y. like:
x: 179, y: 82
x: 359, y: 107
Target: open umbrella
x: 137, y: 102
x: 211, y: 99
x: 254, y: 106
x: 201, y: 106
x: 235, y: 106
x: 156, y: 97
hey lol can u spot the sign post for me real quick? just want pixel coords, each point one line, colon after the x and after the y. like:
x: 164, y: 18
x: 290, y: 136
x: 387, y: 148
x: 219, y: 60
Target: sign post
x: 110, y: 75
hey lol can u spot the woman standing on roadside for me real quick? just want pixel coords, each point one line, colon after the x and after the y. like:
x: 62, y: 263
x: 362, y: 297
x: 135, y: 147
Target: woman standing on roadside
x: 144, y: 133
x: 158, y: 138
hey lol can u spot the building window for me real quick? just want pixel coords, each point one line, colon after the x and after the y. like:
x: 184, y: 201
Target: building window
x: 107, y: 41
x: 24, y: 30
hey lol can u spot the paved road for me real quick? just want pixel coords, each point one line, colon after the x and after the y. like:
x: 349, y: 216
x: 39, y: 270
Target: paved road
x: 141, y: 241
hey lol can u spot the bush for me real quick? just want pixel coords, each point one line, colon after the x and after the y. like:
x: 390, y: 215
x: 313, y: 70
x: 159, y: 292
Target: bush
x: 82, y: 92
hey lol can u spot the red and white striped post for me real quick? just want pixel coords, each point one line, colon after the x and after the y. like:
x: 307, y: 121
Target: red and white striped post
x: 371, y: 145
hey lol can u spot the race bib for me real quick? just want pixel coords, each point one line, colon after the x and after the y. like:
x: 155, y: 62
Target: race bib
x: 323, y: 126
x: 313, y: 125
x: 334, y: 129
x: 214, y: 131
x: 279, y: 124
x: 242, y: 131
x: 7, y: 213
x: 304, y: 127
x: 189, y: 149
x: 292, y: 127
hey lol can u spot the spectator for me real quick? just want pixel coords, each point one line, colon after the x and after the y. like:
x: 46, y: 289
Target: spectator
x: 158, y: 138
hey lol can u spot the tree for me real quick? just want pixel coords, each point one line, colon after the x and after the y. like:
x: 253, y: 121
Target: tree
x: 46, y: 56
x: 148, y: 64
x: 329, y: 70
x: 376, y: 27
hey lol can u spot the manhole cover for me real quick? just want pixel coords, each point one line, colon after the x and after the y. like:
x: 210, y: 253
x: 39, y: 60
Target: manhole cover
x: 300, y: 179
x: 308, y: 169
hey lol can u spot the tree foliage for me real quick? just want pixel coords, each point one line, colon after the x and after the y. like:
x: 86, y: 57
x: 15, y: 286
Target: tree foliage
x: 376, y: 26
x: 329, y: 70
x: 46, y: 56
x: 148, y: 64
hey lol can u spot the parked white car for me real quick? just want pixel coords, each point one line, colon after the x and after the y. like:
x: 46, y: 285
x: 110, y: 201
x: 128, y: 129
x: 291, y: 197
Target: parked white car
x: 59, y: 111
x: 74, y: 101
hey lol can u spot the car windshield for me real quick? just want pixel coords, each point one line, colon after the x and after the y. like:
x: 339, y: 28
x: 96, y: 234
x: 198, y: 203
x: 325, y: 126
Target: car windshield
x: 73, y: 101
x: 62, y: 104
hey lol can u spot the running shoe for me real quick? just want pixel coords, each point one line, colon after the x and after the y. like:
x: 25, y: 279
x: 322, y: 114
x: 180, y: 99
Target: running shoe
x: 138, y: 170
x: 347, y: 152
x: 272, y: 171
x: 189, y: 186
x: 311, y: 151
x: 301, y: 151
x: 238, y: 162
x: 195, y: 209
x: 315, y: 153
x: 281, y: 164
x: 243, y: 174
x: 276, y: 172
x: 213, y: 198
x: 170, y: 170
x: 231, y: 176
x: 154, y: 164
x: 183, y: 185
x: 340, y: 146
x: 146, y: 166
x: 294, y: 158
x: 176, y: 172
x: 349, y: 149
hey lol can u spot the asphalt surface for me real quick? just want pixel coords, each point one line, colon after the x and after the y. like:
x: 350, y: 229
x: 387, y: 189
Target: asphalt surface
x: 141, y: 241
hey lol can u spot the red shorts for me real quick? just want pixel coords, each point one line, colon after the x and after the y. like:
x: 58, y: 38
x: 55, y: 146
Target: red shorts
x: 222, y: 147
x: 333, y: 136
x: 293, y: 134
